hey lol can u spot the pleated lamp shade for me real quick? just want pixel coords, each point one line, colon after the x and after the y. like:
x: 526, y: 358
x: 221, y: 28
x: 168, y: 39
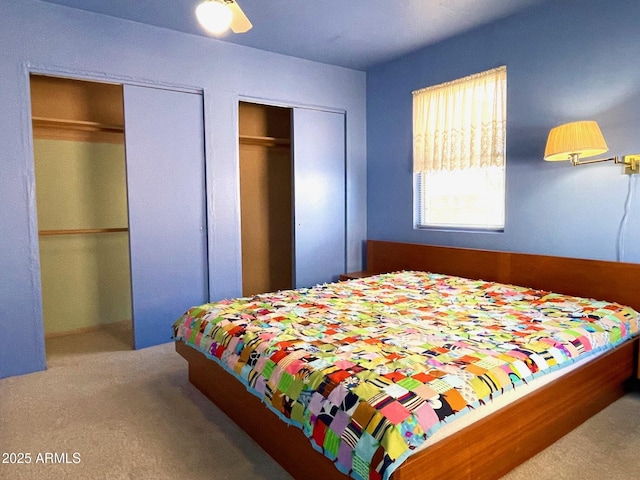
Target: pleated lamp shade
x: 582, y: 138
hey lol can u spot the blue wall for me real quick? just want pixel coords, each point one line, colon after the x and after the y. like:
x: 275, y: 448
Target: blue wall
x: 566, y: 60
x: 42, y: 37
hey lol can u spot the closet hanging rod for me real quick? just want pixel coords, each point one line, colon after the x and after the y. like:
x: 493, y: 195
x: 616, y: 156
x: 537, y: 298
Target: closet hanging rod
x: 264, y: 141
x: 76, y: 125
x: 81, y: 231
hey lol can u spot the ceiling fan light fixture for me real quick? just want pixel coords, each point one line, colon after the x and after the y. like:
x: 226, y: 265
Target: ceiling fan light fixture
x: 215, y: 17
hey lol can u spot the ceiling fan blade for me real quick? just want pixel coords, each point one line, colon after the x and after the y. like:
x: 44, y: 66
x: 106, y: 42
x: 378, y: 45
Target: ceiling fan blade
x: 240, y: 22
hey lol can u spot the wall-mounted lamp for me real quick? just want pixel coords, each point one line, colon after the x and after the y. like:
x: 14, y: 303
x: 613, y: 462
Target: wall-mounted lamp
x: 577, y: 140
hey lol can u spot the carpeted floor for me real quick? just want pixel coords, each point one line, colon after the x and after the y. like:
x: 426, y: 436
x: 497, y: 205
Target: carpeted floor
x: 133, y: 415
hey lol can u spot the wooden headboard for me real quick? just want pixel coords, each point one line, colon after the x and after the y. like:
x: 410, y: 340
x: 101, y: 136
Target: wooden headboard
x: 601, y: 280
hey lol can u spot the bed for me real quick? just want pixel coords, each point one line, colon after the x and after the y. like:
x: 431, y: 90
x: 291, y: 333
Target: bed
x: 517, y: 431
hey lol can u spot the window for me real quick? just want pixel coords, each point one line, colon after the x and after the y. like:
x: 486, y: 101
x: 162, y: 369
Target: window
x: 459, y: 152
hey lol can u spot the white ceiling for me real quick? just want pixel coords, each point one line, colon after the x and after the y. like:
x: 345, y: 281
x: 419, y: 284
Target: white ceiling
x: 351, y: 33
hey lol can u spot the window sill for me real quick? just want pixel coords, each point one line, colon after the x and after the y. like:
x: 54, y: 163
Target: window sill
x: 458, y: 229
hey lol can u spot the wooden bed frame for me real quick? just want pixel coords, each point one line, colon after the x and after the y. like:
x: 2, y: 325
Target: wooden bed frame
x: 496, y: 444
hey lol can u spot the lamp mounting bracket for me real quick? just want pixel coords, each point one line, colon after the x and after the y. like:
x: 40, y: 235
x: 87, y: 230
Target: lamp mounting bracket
x: 631, y: 164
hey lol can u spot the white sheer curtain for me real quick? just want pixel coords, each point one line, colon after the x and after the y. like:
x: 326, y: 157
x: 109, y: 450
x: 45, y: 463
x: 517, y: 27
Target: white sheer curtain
x: 459, y: 151
x: 460, y: 124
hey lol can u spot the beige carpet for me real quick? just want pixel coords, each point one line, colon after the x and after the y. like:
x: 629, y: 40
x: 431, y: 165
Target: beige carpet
x: 133, y: 415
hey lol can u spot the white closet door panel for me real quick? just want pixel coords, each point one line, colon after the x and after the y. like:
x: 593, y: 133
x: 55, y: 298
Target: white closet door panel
x: 319, y: 196
x: 167, y: 214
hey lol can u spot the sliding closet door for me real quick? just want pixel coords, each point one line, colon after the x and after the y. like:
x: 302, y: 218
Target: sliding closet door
x: 319, y: 196
x: 167, y: 215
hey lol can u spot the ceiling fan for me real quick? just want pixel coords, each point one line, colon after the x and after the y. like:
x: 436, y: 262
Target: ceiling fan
x: 217, y: 16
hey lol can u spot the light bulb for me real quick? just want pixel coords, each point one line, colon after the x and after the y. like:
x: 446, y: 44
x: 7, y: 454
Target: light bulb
x: 214, y: 16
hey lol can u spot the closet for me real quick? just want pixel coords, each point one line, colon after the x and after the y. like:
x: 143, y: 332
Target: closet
x: 265, y: 198
x: 122, y: 219
x: 81, y: 196
x: 293, y: 196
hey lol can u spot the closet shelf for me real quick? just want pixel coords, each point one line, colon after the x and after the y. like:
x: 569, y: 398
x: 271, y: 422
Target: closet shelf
x: 81, y: 231
x: 86, y: 126
x: 264, y: 141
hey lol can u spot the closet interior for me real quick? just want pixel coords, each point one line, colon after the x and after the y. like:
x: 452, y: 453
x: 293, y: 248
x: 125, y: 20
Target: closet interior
x: 266, y: 198
x: 81, y: 197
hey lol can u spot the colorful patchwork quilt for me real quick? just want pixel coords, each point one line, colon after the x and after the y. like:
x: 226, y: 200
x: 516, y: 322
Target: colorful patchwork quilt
x: 370, y: 368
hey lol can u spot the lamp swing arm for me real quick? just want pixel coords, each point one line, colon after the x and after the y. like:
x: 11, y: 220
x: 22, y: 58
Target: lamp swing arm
x: 632, y: 162
x: 575, y: 160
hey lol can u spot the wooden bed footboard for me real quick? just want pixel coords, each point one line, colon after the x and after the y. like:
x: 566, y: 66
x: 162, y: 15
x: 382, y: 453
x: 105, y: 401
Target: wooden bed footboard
x: 485, y: 450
